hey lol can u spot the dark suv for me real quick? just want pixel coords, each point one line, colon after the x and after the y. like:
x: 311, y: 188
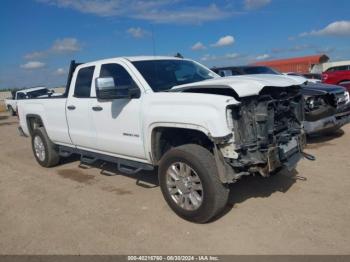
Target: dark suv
x: 327, y: 107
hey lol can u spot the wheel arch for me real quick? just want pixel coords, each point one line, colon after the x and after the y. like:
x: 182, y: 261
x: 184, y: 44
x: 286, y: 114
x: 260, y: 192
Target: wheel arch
x: 34, y: 121
x: 164, y: 136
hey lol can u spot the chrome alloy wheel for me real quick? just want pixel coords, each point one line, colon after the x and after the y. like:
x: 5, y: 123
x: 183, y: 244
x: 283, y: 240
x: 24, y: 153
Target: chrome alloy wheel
x: 39, y: 148
x: 184, y: 186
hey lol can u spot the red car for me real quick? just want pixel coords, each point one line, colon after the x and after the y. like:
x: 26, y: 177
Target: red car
x: 337, y: 75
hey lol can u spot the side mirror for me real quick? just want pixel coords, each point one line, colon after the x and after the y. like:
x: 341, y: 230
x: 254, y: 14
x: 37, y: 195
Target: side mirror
x: 134, y: 92
x: 106, y: 89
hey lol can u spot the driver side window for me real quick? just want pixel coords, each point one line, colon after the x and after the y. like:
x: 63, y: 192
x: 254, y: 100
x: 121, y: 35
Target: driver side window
x: 122, y: 78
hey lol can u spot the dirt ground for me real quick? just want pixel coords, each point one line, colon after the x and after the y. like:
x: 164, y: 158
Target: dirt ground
x: 84, y: 210
x: 2, y: 106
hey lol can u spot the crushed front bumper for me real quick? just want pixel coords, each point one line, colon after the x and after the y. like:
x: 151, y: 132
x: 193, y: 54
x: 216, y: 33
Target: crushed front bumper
x: 340, y: 118
x: 286, y: 155
x: 283, y: 155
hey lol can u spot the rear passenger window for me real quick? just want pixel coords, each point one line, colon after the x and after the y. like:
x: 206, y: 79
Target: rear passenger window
x: 20, y: 96
x: 83, y: 82
x: 338, y: 68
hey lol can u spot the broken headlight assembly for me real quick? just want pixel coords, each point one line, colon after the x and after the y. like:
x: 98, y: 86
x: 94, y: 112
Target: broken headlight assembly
x: 314, y: 102
x: 229, y: 118
x: 233, y: 112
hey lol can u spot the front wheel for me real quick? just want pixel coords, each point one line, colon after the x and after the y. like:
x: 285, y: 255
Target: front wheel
x: 190, y: 183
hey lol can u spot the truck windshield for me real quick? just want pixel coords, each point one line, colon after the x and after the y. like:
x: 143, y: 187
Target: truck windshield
x: 162, y: 75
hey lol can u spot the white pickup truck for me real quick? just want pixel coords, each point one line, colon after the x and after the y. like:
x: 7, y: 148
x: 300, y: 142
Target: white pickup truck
x: 11, y: 103
x: 202, y: 131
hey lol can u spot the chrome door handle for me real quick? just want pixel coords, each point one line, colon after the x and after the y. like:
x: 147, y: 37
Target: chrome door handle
x: 71, y: 107
x: 97, y: 108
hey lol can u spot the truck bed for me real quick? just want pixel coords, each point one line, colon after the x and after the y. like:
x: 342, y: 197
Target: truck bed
x: 52, y: 115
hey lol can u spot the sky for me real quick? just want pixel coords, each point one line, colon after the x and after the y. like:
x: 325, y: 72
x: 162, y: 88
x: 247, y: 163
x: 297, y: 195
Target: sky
x: 40, y: 37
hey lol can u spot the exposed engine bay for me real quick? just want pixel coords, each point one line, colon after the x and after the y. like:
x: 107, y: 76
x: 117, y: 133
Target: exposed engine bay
x: 268, y: 130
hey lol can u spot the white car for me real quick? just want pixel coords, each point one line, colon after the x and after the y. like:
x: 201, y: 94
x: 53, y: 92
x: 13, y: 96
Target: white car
x: 202, y: 131
x: 35, y: 92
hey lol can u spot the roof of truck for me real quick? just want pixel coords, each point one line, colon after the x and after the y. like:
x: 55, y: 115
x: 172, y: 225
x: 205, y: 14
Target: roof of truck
x: 144, y: 58
x: 129, y: 58
x: 27, y: 90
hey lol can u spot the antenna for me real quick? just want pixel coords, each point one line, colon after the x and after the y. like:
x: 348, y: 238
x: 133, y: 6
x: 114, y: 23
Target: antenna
x: 153, y: 42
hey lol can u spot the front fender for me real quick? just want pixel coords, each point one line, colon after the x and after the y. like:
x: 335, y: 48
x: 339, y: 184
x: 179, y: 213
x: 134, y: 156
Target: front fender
x: 201, y: 112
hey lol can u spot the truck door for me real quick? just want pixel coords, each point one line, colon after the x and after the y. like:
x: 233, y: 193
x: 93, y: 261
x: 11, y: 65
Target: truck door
x: 117, y: 121
x: 78, y: 109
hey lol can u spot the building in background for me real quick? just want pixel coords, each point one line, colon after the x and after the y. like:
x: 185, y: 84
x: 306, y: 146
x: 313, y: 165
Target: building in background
x: 301, y: 65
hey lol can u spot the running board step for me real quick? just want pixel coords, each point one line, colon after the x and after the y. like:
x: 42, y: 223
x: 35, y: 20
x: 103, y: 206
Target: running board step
x: 123, y: 165
x: 308, y: 156
x: 128, y: 169
x: 88, y: 160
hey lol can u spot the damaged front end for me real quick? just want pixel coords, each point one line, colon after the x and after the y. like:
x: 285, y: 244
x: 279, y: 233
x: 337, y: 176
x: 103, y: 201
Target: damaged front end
x: 268, y: 131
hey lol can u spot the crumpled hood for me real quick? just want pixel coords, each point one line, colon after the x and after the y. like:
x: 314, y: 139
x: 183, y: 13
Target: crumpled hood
x: 244, y: 85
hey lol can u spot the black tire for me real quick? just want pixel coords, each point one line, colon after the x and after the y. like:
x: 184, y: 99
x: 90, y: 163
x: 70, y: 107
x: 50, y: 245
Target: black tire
x: 215, y: 193
x: 12, y: 112
x: 51, y: 153
x: 331, y: 131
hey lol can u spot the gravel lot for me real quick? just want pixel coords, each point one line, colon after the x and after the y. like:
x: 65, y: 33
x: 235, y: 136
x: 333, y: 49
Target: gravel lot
x: 81, y: 210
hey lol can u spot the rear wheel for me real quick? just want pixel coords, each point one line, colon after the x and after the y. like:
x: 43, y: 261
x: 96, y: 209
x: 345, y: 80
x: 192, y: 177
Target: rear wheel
x: 12, y: 112
x: 190, y: 184
x: 44, y: 150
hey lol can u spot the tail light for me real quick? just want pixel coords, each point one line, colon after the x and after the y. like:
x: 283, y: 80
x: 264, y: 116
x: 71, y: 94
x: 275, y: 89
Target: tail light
x: 324, y: 77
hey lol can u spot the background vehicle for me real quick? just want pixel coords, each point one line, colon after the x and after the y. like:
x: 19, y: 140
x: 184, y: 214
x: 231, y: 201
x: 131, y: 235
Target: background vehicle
x: 346, y: 84
x: 313, y: 78
x: 327, y: 107
x: 201, y: 130
x: 244, y: 70
x: 337, y: 75
x: 11, y: 103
